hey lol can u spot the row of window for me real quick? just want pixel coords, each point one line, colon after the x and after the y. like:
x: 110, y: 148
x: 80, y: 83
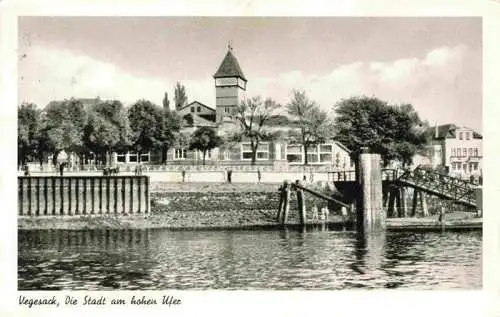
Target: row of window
x: 457, y: 166
x: 293, y: 154
x: 464, y: 135
x: 198, y: 109
x: 461, y: 152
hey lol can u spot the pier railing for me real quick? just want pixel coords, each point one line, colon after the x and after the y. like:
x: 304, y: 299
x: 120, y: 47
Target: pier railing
x: 83, y: 195
x: 350, y: 175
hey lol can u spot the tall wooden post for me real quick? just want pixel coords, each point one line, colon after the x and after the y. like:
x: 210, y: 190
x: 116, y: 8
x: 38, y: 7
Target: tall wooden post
x: 404, y: 203
x: 442, y: 216
x: 371, y: 215
x: 423, y: 203
x: 415, y: 202
x: 281, y: 204
x: 301, y: 204
x: 392, y: 200
x: 21, y: 191
x: 286, y: 202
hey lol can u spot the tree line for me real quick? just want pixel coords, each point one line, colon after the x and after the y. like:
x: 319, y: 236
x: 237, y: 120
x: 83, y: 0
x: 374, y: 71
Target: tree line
x: 394, y: 131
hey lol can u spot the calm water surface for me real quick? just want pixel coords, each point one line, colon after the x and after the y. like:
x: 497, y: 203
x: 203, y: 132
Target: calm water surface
x: 243, y: 259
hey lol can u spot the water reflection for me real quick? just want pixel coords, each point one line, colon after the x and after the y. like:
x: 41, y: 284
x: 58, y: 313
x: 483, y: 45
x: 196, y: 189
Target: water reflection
x: 290, y: 258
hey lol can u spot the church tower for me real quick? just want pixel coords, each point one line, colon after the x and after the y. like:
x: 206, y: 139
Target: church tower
x: 230, y: 86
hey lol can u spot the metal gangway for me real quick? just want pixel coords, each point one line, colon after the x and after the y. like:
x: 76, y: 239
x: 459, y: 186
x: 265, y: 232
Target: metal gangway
x: 440, y: 185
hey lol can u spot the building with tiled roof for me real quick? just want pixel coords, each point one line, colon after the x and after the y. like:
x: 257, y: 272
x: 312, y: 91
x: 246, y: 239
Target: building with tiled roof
x: 455, y: 149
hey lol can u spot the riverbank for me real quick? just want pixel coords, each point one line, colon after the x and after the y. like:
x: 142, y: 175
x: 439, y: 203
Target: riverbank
x: 190, y: 206
x: 258, y: 219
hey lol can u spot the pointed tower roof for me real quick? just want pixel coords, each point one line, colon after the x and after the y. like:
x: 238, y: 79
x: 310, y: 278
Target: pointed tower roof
x: 229, y: 67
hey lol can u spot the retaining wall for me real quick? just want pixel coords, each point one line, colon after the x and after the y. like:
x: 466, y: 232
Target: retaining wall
x: 82, y: 195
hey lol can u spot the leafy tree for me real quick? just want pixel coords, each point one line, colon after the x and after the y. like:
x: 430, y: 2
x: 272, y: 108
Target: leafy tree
x: 107, y: 128
x: 395, y: 132
x: 171, y: 124
x: 180, y: 96
x: 313, y: 123
x: 146, y: 122
x: 204, y: 139
x: 28, y: 129
x: 166, y: 102
x: 63, y: 127
x: 253, y: 114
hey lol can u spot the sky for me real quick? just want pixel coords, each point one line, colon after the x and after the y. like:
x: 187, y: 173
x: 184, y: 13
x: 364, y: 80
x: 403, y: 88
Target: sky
x: 435, y: 64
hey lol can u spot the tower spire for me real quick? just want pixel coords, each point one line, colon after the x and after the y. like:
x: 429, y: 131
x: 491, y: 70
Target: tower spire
x: 230, y: 45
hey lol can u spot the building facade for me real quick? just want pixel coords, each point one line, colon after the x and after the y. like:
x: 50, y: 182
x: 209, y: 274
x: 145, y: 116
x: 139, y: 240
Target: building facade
x: 457, y: 150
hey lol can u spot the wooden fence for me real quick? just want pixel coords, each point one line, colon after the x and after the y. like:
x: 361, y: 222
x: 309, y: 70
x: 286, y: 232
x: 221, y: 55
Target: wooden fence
x: 83, y: 195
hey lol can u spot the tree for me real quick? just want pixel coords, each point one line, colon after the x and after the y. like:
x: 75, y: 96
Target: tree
x: 146, y: 122
x: 171, y: 124
x: 180, y: 96
x: 63, y: 127
x: 166, y: 102
x: 253, y: 115
x: 313, y: 123
x: 107, y: 128
x: 28, y: 130
x: 395, y: 132
x: 204, y: 139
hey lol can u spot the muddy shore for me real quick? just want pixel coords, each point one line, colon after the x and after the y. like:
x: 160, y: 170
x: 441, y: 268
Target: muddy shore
x: 185, y: 206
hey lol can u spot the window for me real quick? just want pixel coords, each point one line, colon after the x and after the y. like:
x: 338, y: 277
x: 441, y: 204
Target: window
x: 467, y: 135
x: 120, y: 158
x: 261, y: 154
x: 461, y: 135
x: 180, y: 154
x: 192, y: 109
x: 208, y: 154
x: 198, y: 109
x: 476, y: 152
x: 145, y: 157
x: 458, y: 166
x: 470, y: 151
x: 325, y: 154
x: 226, y: 109
x: 453, y: 152
x: 227, y: 155
x: 132, y: 157
x: 294, y: 153
x: 464, y: 152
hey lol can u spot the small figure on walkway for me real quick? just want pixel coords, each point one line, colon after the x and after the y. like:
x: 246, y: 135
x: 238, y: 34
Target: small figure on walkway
x: 259, y: 175
x: 138, y: 170
x: 304, y: 178
x: 183, y: 176
x: 314, y: 212
x: 324, y: 214
x: 229, y: 174
x: 61, y: 169
x: 26, y: 170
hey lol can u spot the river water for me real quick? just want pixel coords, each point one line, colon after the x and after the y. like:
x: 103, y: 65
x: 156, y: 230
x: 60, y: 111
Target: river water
x: 243, y: 259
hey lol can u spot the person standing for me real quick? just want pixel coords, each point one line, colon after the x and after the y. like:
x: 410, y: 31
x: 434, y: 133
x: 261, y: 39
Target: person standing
x: 259, y: 175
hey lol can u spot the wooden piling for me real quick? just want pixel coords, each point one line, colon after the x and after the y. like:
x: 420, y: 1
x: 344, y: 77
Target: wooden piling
x: 279, y: 215
x: 423, y: 203
x: 404, y: 203
x: 392, y: 200
x: 301, y: 204
x: 442, y: 217
x: 20, y: 193
x: 415, y: 203
x: 286, y: 202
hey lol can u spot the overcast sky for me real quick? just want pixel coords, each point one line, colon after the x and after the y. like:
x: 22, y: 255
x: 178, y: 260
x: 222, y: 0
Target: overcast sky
x: 433, y: 63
